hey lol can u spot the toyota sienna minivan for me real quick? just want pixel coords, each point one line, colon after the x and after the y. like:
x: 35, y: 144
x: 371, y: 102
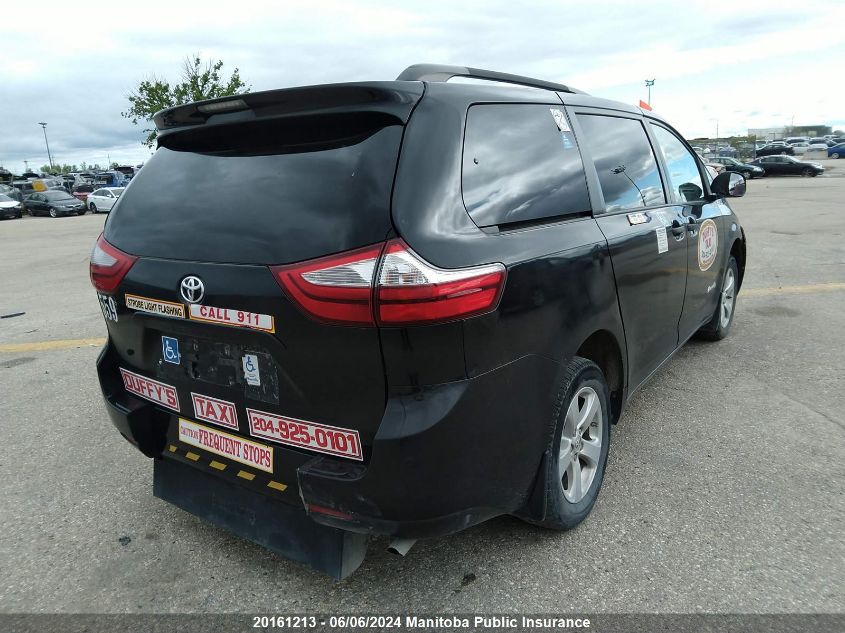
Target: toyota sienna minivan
x: 405, y: 307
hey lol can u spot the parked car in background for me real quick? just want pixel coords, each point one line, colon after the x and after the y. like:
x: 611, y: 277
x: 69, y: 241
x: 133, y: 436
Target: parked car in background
x: 9, y: 207
x: 110, y: 179
x: 54, y: 204
x: 12, y: 192
x: 837, y: 151
x: 817, y: 146
x: 102, y: 200
x: 711, y: 164
x: 792, y: 140
x: 747, y: 170
x: 787, y: 165
x: 800, y: 148
x: 24, y: 186
x: 727, y: 150
x: 773, y: 148
x: 81, y: 192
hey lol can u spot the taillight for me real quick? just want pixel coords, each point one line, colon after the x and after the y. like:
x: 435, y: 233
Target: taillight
x: 343, y: 288
x: 334, y: 289
x: 412, y: 291
x: 109, y: 265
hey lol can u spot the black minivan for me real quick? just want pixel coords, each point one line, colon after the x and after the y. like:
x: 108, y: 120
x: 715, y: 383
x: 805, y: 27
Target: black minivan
x: 402, y: 308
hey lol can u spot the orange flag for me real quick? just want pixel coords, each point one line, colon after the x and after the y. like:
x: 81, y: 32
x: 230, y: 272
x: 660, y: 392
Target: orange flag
x: 644, y: 105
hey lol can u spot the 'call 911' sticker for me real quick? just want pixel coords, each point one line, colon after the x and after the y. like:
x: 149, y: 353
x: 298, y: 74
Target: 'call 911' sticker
x: 108, y: 306
x: 230, y: 316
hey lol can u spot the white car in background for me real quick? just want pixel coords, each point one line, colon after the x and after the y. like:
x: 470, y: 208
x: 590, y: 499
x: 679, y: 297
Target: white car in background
x: 817, y: 147
x: 102, y: 200
x: 800, y: 148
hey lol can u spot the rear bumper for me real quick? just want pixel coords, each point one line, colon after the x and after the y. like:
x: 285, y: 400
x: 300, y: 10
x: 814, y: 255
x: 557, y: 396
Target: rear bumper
x: 445, y: 457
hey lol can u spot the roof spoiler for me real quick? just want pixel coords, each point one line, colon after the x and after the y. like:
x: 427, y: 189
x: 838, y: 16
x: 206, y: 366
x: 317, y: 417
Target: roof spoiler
x: 385, y: 97
x: 440, y: 72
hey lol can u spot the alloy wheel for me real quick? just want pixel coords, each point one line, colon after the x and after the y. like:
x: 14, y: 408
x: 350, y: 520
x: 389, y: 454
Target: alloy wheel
x: 728, y: 299
x: 580, y: 444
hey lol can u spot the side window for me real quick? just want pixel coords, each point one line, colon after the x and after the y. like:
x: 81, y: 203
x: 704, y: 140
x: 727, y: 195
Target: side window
x: 624, y: 161
x: 521, y: 163
x: 684, y: 177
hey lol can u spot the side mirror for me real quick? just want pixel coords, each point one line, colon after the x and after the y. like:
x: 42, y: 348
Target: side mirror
x: 728, y: 184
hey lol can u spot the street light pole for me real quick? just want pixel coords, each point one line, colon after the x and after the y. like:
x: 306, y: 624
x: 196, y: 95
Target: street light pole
x: 49, y: 156
x: 648, y: 84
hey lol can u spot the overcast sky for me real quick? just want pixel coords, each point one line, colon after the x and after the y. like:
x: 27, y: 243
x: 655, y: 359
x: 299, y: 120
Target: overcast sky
x: 744, y: 64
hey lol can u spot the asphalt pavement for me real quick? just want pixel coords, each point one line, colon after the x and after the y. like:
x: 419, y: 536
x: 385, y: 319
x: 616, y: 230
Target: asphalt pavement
x: 724, y: 488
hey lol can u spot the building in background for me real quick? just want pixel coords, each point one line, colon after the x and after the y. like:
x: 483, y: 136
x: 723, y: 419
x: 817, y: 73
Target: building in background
x: 779, y: 133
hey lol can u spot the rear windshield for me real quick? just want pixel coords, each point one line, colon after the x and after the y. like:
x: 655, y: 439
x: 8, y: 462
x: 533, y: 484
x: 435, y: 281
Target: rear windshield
x: 260, y: 194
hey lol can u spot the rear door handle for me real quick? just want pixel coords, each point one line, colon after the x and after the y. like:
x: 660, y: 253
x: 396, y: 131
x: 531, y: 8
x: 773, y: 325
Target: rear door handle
x: 677, y: 227
x: 692, y: 225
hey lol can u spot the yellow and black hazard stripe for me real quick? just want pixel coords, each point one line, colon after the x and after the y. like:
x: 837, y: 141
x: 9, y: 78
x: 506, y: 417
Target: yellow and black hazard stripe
x: 228, y: 468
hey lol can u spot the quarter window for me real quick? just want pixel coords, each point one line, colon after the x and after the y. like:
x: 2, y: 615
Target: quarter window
x: 684, y: 178
x: 624, y: 161
x: 521, y: 163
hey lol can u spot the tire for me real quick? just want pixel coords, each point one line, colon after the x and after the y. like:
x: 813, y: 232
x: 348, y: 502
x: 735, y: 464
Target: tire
x: 19, y: 215
x: 747, y: 175
x: 53, y: 213
x: 834, y: 155
x: 807, y: 172
x: 583, y: 386
x: 720, y: 324
x: 94, y: 208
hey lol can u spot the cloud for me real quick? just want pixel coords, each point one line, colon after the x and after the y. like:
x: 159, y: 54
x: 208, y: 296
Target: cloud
x: 748, y: 69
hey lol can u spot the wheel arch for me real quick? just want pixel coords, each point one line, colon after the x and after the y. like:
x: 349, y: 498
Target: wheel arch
x: 738, y: 253
x: 604, y: 350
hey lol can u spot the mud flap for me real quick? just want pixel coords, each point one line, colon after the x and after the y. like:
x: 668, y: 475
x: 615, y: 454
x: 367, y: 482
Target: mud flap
x: 283, y: 529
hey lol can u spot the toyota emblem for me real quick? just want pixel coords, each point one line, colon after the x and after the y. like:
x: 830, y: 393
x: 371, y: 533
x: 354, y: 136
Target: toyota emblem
x: 192, y: 289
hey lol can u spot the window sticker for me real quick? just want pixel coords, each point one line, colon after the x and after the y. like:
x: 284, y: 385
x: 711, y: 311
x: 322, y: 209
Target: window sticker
x: 560, y: 119
x: 662, y: 241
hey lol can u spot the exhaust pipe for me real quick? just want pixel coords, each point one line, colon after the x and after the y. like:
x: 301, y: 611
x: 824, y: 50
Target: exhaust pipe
x: 401, y: 546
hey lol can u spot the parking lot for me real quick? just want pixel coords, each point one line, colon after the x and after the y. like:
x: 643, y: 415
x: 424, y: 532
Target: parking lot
x: 724, y: 489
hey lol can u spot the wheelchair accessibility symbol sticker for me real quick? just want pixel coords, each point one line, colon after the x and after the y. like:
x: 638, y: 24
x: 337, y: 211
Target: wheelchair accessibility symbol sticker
x: 170, y: 350
x: 251, y: 373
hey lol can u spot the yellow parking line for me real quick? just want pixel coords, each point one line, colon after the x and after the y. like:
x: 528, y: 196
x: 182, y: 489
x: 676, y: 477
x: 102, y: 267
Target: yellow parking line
x: 792, y: 290
x: 275, y: 485
x: 217, y: 465
x: 43, y: 346
x: 192, y: 456
x: 246, y: 475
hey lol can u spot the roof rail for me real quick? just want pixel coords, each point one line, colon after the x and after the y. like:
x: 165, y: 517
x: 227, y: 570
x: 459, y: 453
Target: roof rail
x: 441, y: 72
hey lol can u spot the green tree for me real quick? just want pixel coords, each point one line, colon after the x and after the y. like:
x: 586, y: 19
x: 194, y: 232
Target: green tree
x: 57, y: 168
x: 199, y: 81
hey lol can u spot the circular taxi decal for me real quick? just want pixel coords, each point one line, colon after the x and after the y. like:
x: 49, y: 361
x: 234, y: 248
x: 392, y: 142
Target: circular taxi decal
x: 708, y: 244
